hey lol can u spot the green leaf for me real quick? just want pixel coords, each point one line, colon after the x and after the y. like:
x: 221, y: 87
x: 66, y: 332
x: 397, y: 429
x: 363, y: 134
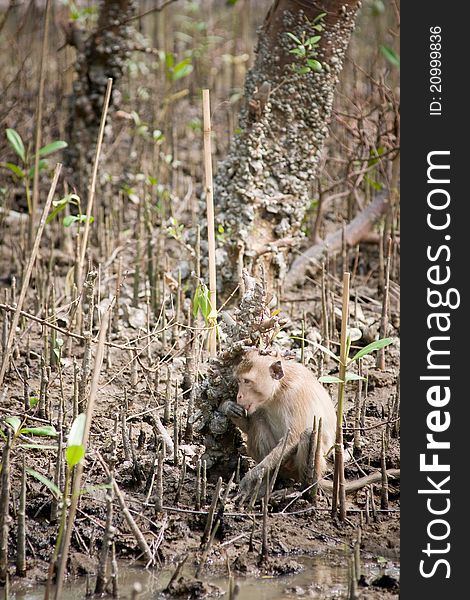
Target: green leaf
x: 47, y: 482
x: 14, y: 422
x: 330, y: 379
x: 326, y: 350
x: 319, y: 17
x: 315, y: 65
x: 69, y: 220
x: 390, y: 54
x: 82, y: 219
x: 52, y: 147
x: 181, y: 66
x: 293, y: 37
x: 16, y: 143
x: 311, y: 41
x: 302, y: 70
x: 33, y: 401
x: 59, y: 208
x: 202, y: 301
x: 377, y: 345
x: 354, y: 377
x: 15, y: 169
x: 75, y: 449
x: 45, y: 430
x: 377, y: 186
x: 74, y: 455
x: 184, y: 71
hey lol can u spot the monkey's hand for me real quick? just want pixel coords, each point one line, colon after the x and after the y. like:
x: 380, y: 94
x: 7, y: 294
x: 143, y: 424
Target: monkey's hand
x: 236, y: 413
x: 233, y: 410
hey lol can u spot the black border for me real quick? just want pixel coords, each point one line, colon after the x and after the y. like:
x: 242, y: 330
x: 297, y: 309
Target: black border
x: 420, y: 134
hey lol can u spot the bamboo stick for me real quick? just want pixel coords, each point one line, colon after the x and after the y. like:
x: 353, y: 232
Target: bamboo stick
x: 210, y: 219
x: 91, y: 191
x: 39, y: 111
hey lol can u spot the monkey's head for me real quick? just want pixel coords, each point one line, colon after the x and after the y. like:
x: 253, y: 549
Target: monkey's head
x: 258, y: 380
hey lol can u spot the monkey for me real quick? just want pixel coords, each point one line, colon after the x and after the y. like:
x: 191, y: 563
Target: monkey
x: 279, y: 399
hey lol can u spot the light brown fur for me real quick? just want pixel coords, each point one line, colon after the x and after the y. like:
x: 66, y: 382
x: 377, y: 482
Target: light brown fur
x: 280, y: 397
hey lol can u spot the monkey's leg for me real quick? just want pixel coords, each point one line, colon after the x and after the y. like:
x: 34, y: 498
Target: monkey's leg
x: 281, y: 452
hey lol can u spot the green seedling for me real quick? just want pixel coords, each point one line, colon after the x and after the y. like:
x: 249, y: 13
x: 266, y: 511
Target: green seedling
x: 20, y: 429
x: 24, y: 170
x: 59, y: 206
x: 373, y: 347
x: 201, y: 302
x: 174, y: 71
x: 305, y: 49
x: 391, y: 56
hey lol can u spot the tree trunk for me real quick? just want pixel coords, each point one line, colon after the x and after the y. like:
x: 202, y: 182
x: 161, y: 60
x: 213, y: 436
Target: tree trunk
x: 262, y: 188
x: 100, y: 56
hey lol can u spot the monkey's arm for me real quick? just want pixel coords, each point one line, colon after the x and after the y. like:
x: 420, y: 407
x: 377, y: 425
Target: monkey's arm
x: 236, y: 413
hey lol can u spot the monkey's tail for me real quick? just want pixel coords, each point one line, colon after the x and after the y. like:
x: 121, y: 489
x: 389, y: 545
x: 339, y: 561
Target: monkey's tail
x: 357, y: 484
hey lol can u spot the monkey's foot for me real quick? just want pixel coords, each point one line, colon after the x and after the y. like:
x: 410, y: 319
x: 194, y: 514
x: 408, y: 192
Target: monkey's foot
x: 252, y: 487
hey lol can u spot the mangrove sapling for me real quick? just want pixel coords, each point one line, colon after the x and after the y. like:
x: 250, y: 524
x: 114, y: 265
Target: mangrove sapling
x: 264, y: 535
x: 74, y: 453
x: 16, y: 431
x: 344, y: 377
x: 21, y: 528
x: 79, y: 465
x: 305, y: 49
x: 89, y: 289
x: 24, y: 171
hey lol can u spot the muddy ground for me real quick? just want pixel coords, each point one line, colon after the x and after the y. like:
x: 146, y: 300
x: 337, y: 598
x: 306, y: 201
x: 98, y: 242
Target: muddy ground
x: 295, y: 527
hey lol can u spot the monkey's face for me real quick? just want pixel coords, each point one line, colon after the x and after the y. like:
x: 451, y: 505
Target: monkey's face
x: 258, y: 384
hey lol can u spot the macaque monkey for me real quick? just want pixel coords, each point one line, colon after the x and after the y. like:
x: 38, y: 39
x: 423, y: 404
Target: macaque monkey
x: 278, y: 398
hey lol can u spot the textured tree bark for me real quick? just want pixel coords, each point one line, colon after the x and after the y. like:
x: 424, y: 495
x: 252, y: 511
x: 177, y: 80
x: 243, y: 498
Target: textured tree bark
x: 100, y: 56
x: 262, y: 188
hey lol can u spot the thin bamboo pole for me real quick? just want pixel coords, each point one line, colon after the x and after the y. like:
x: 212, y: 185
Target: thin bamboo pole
x: 39, y: 111
x: 210, y: 220
x: 91, y: 191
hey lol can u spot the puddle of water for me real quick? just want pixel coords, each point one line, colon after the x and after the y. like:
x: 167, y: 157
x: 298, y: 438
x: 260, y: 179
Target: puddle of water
x: 325, y: 576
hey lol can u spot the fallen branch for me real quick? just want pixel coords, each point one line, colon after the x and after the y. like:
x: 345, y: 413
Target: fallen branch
x: 354, y: 232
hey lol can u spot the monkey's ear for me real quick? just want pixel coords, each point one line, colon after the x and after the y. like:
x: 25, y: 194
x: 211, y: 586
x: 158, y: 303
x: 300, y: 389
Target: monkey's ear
x: 275, y: 370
